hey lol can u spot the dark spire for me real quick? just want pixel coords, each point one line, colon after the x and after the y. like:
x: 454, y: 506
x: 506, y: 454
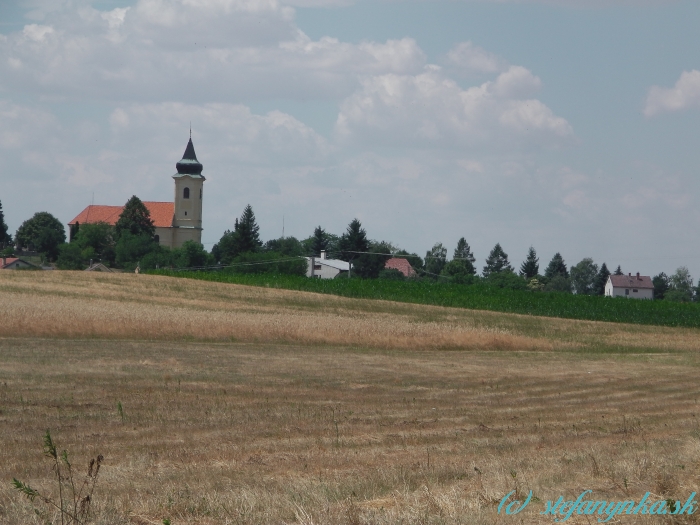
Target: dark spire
x: 189, y: 164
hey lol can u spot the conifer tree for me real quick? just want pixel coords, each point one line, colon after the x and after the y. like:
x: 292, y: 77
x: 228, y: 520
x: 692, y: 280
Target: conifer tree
x: 463, y: 251
x: 497, y: 262
x: 354, y: 240
x: 435, y: 259
x: 618, y: 271
x: 135, y: 219
x: 601, y: 279
x: 556, y: 267
x: 5, y: 238
x: 530, y: 267
x: 248, y: 238
x: 320, y: 242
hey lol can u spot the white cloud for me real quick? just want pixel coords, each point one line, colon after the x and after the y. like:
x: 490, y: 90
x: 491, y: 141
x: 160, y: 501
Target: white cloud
x: 431, y: 110
x: 473, y: 58
x: 684, y: 95
x: 193, y: 50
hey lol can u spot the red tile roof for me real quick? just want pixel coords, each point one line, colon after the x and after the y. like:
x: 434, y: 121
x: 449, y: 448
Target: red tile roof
x: 402, y: 265
x: 161, y: 214
x: 631, y: 281
x: 8, y: 261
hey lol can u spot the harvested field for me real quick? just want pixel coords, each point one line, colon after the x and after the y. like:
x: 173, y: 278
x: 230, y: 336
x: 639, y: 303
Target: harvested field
x: 261, y: 413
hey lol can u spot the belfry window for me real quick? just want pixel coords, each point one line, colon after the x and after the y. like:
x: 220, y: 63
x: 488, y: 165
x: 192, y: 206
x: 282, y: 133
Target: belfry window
x: 200, y: 194
x: 186, y: 193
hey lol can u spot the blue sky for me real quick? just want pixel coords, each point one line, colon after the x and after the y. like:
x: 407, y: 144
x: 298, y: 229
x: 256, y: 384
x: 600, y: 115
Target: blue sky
x: 567, y: 125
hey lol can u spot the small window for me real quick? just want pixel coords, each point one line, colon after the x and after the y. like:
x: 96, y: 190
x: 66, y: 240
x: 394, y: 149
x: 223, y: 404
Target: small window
x: 317, y: 266
x: 635, y: 291
x: 156, y: 238
x: 186, y: 193
x: 200, y: 194
x: 185, y: 213
x: 627, y: 291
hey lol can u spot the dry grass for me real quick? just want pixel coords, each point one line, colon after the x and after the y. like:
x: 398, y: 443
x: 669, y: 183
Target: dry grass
x: 259, y: 412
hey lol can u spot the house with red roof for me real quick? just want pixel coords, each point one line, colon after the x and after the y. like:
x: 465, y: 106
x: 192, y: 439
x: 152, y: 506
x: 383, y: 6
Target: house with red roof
x: 15, y: 263
x: 630, y: 286
x: 402, y: 265
x: 175, y: 222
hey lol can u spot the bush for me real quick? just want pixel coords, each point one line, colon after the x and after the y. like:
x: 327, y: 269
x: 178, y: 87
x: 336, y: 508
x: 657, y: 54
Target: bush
x: 268, y: 262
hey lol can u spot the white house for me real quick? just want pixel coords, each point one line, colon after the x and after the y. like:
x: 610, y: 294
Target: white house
x: 630, y: 286
x: 322, y: 268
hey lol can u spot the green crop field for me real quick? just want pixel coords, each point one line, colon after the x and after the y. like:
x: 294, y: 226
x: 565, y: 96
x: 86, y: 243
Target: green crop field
x: 477, y: 296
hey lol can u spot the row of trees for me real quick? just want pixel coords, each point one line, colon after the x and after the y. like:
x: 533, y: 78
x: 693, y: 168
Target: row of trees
x: 131, y: 241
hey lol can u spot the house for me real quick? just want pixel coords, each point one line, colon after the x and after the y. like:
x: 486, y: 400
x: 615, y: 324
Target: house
x: 98, y: 267
x: 402, y: 265
x: 323, y: 268
x: 15, y: 263
x: 632, y: 287
x: 175, y: 222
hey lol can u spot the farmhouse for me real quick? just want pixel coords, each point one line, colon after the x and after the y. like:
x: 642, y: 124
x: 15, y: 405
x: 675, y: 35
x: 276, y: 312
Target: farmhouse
x: 175, y: 222
x: 323, y: 268
x: 402, y: 265
x: 632, y: 287
x: 15, y: 263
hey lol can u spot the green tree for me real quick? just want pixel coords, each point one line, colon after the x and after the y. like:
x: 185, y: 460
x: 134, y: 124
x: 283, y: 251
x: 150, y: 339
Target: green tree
x: 135, y: 219
x: 286, y: 246
x: 370, y: 265
x: 70, y: 257
x: 191, y: 255
x: 497, y: 262
x: 681, y: 286
x: 459, y: 271
x: 435, y: 260
x: 558, y: 283
x: 530, y: 267
x: 353, y: 242
x: 464, y: 251
x: 43, y: 233
x: 5, y: 238
x: 96, y: 241
x: 661, y: 284
x: 130, y: 249
x: 319, y: 242
x: 556, y: 266
x: 583, y: 277
x: 248, y: 236
x: 618, y: 270
x: 601, y: 279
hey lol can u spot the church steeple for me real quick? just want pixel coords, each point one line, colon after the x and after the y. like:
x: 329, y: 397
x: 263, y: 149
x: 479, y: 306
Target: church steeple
x: 189, y: 165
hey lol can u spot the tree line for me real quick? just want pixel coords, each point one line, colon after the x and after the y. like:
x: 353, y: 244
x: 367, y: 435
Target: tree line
x: 130, y: 243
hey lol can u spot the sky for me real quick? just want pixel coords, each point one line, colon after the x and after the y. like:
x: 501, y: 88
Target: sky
x: 566, y: 125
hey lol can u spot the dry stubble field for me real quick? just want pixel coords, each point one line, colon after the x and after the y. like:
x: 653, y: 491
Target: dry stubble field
x: 249, y: 405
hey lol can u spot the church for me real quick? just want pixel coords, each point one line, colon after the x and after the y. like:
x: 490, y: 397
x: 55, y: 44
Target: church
x: 175, y: 222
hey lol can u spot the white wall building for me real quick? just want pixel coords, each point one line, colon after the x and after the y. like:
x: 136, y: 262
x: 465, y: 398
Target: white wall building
x: 630, y: 286
x: 323, y: 268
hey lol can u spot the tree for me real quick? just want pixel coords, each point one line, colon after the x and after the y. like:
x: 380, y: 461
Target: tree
x: 248, y: 236
x: 243, y: 239
x: 618, y: 270
x: 435, y: 260
x: 681, y: 289
x: 556, y: 267
x: 601, y: 279
x: 661, y: 284
x: 130, y: 248
x: 5, y: 238
x: 96, y: 241
x: 43, y: 233
x: 530, y: 267
x: 286, y: 246
x: 135, y: 219
x: 370, y: 265
x: 497, y: 262
x: 353, y: 242
x: 583, y: 277
x: 319, y: 242
x: 558, y: 283
x: 70, y: 257
x: 464, y: 252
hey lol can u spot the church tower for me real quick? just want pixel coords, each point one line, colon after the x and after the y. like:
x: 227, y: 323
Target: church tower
x: 189, y: 183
